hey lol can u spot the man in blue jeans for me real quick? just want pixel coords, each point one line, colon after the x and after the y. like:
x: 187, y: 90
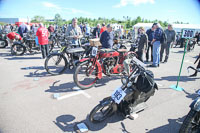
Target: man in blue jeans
x: 156, y: 45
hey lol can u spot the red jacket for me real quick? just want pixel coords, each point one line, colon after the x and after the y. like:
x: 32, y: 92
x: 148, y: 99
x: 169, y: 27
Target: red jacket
x: 42, y: 34
x: 103, y: 29
x: 12, y: 36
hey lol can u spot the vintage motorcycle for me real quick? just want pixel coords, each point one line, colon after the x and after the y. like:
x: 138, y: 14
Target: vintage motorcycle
x: 28, y: 44
x: 130, y: 98
x: 107, y: 60
x: 191, y: 124
x: 67, y: 57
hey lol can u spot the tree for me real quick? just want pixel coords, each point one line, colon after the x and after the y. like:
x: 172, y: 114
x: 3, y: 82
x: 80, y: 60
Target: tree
x: 38, y: 19
x: 58, y: 20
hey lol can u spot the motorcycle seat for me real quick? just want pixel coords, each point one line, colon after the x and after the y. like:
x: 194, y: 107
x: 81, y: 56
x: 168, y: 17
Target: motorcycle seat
x: 75, y: 50
x: 106, y: 50
x: 122, y: 50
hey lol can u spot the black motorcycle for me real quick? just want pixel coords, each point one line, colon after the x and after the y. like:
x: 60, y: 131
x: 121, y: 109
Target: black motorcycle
x: 191, y: 124
x: 68, y: 56
x: 3, y: 40
x: 130, y: 98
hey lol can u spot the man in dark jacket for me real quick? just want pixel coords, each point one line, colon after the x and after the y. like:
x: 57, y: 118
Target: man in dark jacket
x: 156, y: 44
x: 22, y: 29
x: 171, y: 39
x: 107, y: 37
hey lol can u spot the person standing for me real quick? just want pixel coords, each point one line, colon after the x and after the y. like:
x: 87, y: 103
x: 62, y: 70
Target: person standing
x: 121, y: 32
x: 156, y: 45
x: 150, y: 33
x: 96, y: 31
x: 42, y: 34
x: 103, y: 28
x: 34, y: 30
x: 28, y: 26
x: 87, y: 32
x: 74, y: 33
x: 22, y: 29
x: 107, y: 37
x: 170, y: 40
x: 142, y: 42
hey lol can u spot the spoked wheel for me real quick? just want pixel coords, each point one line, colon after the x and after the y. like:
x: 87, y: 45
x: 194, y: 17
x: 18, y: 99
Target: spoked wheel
x: 56, y: 64
x: 101, y: 112
x: 18, y: 49
x: 191, y: 124
x: 85, y: 75
x: 3, y: 43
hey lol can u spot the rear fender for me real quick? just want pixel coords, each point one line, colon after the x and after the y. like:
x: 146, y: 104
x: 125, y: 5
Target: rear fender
x: 195, y: 105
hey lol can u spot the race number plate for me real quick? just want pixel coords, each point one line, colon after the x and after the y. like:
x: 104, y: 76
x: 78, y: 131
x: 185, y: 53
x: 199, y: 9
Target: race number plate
x: 188, y: 33
x: 118, y: 95
x: 94, y: 51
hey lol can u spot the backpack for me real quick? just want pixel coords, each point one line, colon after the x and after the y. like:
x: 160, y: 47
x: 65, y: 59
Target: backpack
x: 163, y: 38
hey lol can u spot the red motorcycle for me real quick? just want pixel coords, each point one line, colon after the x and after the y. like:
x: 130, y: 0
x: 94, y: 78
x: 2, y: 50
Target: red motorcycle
x: 105, y: 61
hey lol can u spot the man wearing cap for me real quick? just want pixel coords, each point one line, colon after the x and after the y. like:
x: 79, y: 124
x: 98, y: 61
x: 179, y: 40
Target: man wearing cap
x: 171, y: 37
x: 107, y: 37
x: 156, y: 45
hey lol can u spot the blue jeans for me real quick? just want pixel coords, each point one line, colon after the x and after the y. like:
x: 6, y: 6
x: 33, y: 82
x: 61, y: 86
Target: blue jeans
x: 156, y: 53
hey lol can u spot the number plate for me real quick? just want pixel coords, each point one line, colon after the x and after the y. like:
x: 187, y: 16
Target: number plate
x: 94, y: 51
x: 118, y: 95
x: 188, y: 33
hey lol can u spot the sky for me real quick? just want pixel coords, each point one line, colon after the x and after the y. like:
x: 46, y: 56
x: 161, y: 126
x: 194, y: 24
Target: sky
x: 164, y: 10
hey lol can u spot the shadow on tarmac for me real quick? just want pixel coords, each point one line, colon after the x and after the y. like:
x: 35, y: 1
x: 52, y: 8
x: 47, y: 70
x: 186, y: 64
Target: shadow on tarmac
x: 68, y: 87
x: 173, y: 126
x: 67, y: 123
x: 23, y: 58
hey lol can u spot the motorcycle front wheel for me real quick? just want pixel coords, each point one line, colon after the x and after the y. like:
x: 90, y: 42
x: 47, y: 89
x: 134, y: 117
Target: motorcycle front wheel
x: 56, y: 64
x: 191, y: 124
x: 102, y: 111
x: 85, y: 75
x: 18, y: 49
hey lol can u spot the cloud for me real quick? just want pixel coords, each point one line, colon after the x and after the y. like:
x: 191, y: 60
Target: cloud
x: 133, y: 2
x: 51, y: 5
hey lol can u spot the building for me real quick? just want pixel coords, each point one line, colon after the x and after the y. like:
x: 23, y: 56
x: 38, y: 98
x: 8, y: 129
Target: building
x: 13, y: 20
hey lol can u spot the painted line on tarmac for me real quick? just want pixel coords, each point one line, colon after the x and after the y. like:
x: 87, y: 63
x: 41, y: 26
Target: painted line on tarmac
x: 79, y: 91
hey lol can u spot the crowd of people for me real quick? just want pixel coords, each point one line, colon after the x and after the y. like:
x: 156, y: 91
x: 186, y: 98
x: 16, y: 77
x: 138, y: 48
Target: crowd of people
x: 152, y: 43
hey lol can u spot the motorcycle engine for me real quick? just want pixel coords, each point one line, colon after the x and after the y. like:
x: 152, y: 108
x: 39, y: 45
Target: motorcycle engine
x: 108, y: 64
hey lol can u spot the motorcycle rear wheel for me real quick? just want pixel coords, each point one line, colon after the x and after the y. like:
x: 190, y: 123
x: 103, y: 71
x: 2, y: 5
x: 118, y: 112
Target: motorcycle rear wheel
x: 3, y: 43
x: 56, y: 64
x: 191, y: 123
